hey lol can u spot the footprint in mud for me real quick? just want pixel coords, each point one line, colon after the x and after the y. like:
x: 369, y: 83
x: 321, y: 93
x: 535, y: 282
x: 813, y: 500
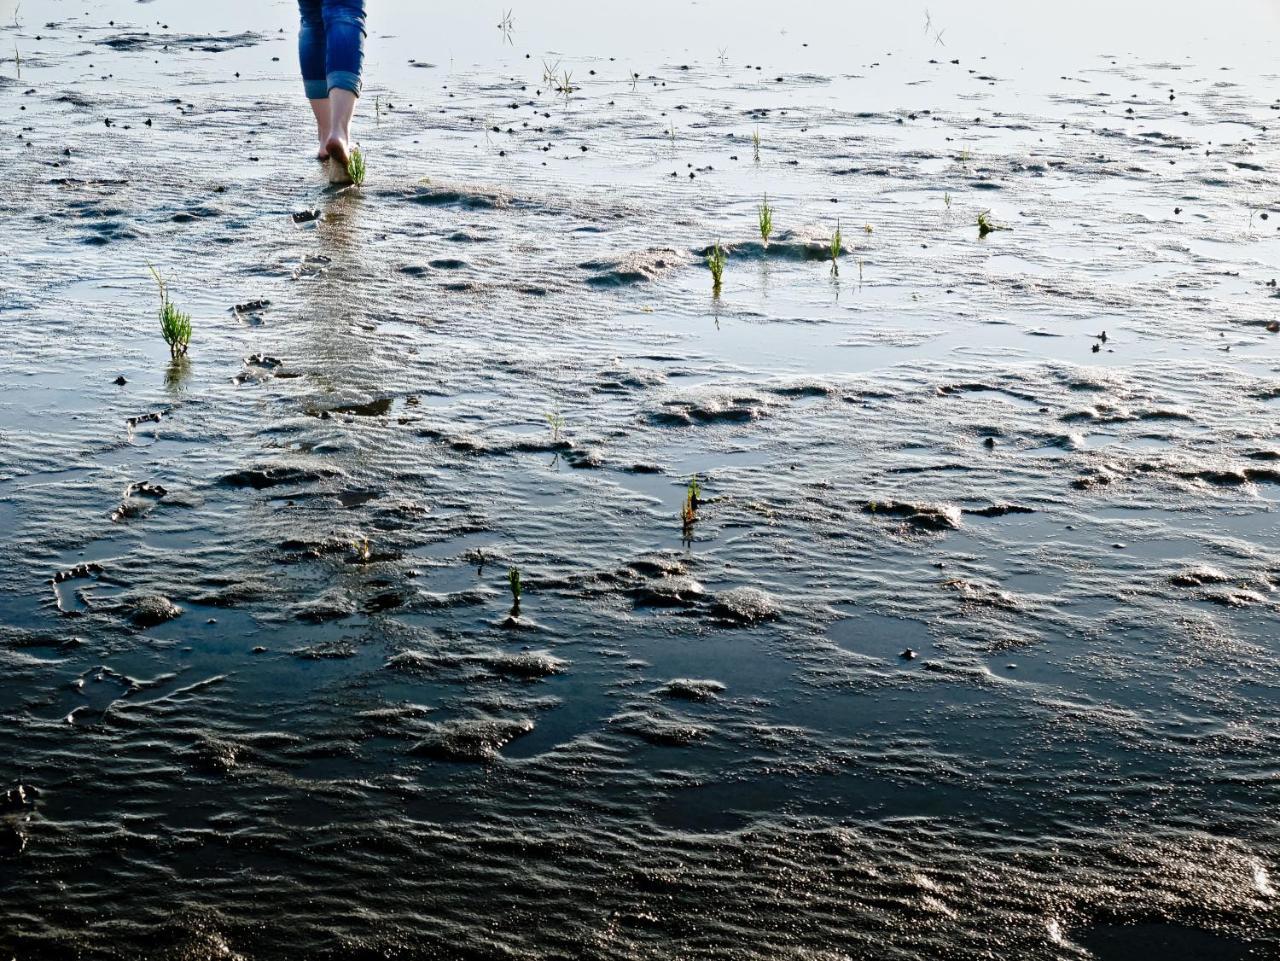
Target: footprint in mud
x: 711, y: 407
x: 259, y: 368
x: 252, y: 312
x: 139, y: 500
x: 94, y: 691
x: 278, y: 475
x: 70, y: 599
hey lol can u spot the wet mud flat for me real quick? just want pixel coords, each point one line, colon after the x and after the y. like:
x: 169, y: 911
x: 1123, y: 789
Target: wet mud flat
x: 968, y: 649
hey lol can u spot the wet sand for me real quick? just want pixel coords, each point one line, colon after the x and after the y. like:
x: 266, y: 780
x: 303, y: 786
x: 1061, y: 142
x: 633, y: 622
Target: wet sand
x: 969, y: 650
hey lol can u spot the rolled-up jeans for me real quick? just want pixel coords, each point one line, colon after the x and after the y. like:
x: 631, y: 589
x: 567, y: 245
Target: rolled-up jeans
x: 331, y: 46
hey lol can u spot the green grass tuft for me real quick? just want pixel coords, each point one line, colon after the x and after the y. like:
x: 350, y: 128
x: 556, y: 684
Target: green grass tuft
x: 175, y: 326
x: 692, y: 501
x: 766, y: 220
x: 716, y: 262
x: 355, y: 167
x: 556, y: 422
x: 837, y: 246
x: 986, y: 225
x: 517, y: 588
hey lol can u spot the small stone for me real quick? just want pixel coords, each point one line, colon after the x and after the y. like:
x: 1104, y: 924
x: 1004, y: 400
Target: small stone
x: 909, y: 655
x: 120, y: 381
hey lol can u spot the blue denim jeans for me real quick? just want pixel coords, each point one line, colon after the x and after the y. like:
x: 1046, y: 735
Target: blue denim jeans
x: 331, y: 46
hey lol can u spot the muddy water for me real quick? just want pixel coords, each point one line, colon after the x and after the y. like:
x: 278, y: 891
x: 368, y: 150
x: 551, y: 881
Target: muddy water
x: 261, y: 681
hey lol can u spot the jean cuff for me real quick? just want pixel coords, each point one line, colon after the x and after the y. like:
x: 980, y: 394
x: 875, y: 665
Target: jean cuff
x: 316, y: 89
x: 344, y: 80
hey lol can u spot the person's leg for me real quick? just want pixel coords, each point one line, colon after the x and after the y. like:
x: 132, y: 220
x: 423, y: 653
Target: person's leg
x: 320, y: 110
x: 312, y: 52
x: 342, y: 107
x: 344, y: 31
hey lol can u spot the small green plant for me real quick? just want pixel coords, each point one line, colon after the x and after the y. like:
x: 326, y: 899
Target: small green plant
x: 946, y: 200
x: 555, y: 421
x: 986, y: 225
x: 507, y: 25
x: 565, y: 84
x: 550, y: 72
x: 694, y: 492
x: 716, y: 262
x: 837, y: 245
x: 692, y: 501
x: 17, y: 58
x: 355, y: 166
x: 174, y: 324
x: 513, y: 578
x: 755, y: 145
x: 766, y: 220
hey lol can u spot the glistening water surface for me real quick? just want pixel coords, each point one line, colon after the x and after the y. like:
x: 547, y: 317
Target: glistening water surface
x: 968, y: 649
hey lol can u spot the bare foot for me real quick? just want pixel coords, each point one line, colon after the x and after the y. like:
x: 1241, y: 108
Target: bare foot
x: 335, y: 147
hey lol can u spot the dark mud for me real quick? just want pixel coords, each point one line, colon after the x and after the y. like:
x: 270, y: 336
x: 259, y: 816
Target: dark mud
x: 969, y: 651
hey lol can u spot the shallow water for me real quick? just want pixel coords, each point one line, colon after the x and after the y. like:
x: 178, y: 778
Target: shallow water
x: 343, y: 744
